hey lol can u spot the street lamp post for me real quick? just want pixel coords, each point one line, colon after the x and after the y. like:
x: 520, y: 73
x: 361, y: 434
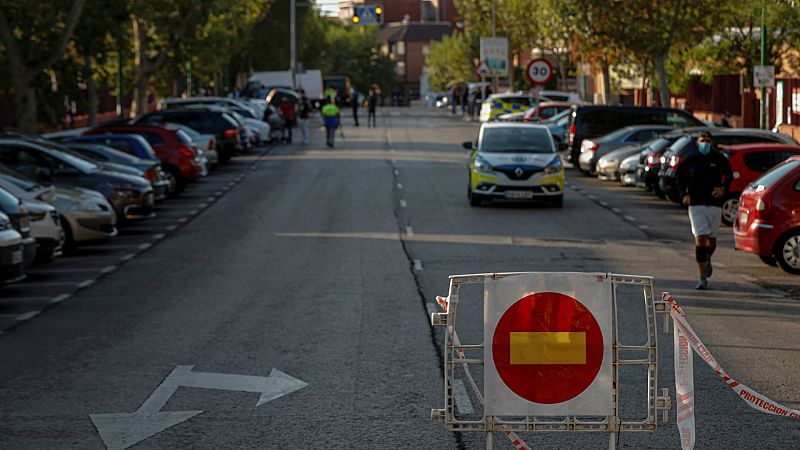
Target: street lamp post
x: 292, y: 41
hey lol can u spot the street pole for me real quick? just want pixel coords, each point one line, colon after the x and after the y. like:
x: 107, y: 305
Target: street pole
x: 763, y: 63
x: 120, y: 87
x: 292, y: 42
x: 494, y: 34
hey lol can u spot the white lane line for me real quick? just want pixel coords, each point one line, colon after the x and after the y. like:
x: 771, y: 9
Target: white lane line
x: 159, y: 236
x: 396, y: 172
x: 409, y: 231
x: 183, y: 219
x: 593, y: 197
x: 60, y: 298
x: 218, y: 193
x: 616, y: 210
x: 644, y: 227
x: 108, y: 269
x: 85, y: 284
x: 210, y: 199
x: 463, y: 404
x: 399, y: 185
x: 418, y: 265
x: 403, y: 203
x: 604, y: 204
x: 193, y: 212
x: 28, y: 315
x: 145, y: 246
x: 202, y: 205
x: 630, y: 218
x: 172, y: 228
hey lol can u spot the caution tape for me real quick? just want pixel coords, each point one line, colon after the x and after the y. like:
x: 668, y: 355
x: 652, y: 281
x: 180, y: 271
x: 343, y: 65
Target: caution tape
x: 685, y: 336
x: 516, y: 441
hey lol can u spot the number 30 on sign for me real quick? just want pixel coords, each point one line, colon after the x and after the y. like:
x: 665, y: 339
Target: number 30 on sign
x: 539, y: 71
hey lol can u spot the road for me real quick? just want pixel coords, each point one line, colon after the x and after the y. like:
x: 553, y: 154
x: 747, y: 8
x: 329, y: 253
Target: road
x: 323, y: 264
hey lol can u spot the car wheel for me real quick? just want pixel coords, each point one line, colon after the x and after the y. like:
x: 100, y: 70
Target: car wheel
x: 788, y: 252
x: 768, y: 260
x: 69, y: 241
x: 659, y: 193
x: 475, y: 200
x: 673, y: 197
x: 176, y: 175
x: 556, y: 202
x: 729, y: 210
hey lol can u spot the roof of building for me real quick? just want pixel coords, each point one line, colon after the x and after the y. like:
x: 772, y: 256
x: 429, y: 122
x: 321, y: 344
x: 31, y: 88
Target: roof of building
x: 413, y: 31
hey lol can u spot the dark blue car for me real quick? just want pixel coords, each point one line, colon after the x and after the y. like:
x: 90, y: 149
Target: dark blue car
x: 132, y: 144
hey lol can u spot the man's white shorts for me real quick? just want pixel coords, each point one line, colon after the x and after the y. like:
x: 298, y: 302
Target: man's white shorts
x: 705, y: 220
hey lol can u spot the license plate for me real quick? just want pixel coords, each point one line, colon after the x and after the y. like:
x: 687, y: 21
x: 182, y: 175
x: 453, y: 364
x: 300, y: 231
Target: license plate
x: 519, y: 194
x: 16, y: 257
x: 743, y: 216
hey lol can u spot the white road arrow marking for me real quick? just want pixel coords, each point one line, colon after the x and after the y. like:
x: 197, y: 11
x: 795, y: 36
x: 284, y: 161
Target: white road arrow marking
x: 122, y: 430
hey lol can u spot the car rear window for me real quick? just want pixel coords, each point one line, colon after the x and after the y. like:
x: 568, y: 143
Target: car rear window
x: 516, y: 140
x: 183, y: 137
x: 775, y: 175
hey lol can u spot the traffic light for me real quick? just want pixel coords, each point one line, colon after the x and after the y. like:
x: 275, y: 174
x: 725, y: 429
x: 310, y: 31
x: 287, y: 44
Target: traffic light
x: 356, y: 19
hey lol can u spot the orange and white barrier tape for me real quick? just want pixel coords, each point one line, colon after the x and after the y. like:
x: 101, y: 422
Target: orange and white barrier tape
x: 685, y: 336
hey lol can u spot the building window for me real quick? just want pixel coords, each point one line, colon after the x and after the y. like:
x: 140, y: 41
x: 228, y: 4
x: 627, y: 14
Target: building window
x: 401, y: 47
x: 401, y: 68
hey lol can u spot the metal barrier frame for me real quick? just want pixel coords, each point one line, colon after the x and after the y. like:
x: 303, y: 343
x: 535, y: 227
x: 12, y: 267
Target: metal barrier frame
x: 454, y: 356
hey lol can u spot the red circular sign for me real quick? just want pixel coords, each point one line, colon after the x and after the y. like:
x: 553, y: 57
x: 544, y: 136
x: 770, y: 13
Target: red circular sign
x: 539, y: 71
x: 547, y: 348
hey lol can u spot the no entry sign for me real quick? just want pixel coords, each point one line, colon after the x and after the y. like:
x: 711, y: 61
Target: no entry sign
x: 539, y: 71
x: 548, y: 345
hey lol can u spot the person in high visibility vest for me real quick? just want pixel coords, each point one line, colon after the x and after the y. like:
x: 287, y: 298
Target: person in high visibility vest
x: 330, y: 114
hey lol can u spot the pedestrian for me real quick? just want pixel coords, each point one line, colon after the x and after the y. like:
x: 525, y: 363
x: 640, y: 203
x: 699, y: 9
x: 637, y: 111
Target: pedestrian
x: 287, y: 111
x: 464, y: 99
x: 354, y: 104
x: 304, y: 109
x: 453, y: 99
x: 703, y: 180
x: 371, y: 103
x: 330, y: 115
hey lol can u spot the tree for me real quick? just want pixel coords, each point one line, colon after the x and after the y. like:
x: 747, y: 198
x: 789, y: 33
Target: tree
x: 450, y: 60
x: 35, y: 35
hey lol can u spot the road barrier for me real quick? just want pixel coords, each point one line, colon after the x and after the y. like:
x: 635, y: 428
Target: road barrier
x: 549, y: 326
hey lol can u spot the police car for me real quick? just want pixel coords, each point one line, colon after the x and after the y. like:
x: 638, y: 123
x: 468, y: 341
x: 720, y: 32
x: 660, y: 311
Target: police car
x: 515, y: 161
x: 498, y: 104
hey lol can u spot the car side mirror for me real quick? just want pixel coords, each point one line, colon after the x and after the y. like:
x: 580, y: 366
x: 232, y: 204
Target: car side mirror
x: 467, y: 145
x: 44, y: 173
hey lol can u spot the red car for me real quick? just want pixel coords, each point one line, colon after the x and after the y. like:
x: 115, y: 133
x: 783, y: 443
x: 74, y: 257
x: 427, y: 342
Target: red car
x: 769, y: 217
x: 173, y: 147
x: 750, y: 161
x: 545, y: 110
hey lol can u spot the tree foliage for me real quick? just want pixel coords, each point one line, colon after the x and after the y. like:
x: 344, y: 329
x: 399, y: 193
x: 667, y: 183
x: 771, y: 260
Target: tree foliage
x: 450, y: 61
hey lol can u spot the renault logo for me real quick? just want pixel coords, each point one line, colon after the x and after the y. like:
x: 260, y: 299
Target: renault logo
x: 518, y: 172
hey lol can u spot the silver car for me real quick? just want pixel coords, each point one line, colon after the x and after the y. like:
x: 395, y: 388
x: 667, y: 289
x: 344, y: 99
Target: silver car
x: 594, y: 149
x: 86, y: 215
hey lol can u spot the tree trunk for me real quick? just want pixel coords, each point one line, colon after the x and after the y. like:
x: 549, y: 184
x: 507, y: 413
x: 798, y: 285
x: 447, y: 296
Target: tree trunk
x: 141, y: 69
x: 663, y: 83
x: 26, y: 107
x: 606, y: 89
x: 562, y: 72
x: 91, y: 89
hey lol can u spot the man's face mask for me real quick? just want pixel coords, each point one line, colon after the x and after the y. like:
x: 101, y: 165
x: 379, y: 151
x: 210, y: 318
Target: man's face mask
x: 704, y: 147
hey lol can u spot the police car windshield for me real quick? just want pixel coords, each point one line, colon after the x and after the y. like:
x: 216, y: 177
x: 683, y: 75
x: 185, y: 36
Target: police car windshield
x: 516, y: 140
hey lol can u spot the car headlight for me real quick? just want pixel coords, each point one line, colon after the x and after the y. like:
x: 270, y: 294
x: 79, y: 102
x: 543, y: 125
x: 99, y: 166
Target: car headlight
x: 36, y: 216
x: 87, y: 205
x: 124, y: 187
x: 5, y: 222
x: 481, y: 165
x: 554, y: 167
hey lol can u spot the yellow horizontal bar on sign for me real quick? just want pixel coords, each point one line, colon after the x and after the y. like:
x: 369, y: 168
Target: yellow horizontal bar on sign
x: 550, y: 347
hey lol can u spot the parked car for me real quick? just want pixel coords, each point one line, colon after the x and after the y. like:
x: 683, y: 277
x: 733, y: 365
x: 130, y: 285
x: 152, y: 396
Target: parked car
x: 593, y: 149
x: 45, y: 222
x: 151, y: 170
x: 225, y: 128
x: 497, y: 104
x: 627, y: 170
x: 205, y: 142
x: 768, y: 223
x: 181, y: 103
x: 558, y: 127
x: 18, y: 216
x: 515, y: 161
x: 132, y: 144
x: 750, y: 161
x: 562, y: 96
x: 86, y: 216
x: 587, y: 122
x: 47, y: 162
x: 11, y: 252
x: 173, y: 147
x: 687, y: 146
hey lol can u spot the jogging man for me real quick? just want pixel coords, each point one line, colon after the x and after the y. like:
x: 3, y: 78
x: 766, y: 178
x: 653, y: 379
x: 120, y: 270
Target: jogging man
x: 703, y: 181
x: 330, y: 114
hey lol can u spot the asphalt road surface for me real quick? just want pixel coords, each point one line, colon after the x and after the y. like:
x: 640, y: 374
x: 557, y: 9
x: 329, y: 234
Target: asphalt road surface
x: 292, y: 309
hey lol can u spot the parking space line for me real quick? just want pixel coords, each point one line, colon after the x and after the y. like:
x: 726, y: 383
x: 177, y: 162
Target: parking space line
x: 396, y: 172
x: 630, y: 218
x: 128, y: 257
x: 159, y: 236
x: 211, y: 199
x: 616, y: 210
x: 399, y: 185
x: 604, y: 204
x: 183, y: 219
x: 145, y: 246
x: 418, y: 265
x: 108, y: 269
x: 202, y: 205
x: 403, y: 203
x: 172, y: 228
x: 644, y: 227
x: 60, y: 298
x: 85, y: 284
x: 409, y: 231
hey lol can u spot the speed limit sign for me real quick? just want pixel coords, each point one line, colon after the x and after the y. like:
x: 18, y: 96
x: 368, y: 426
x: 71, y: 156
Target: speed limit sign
x: 539, y: 71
